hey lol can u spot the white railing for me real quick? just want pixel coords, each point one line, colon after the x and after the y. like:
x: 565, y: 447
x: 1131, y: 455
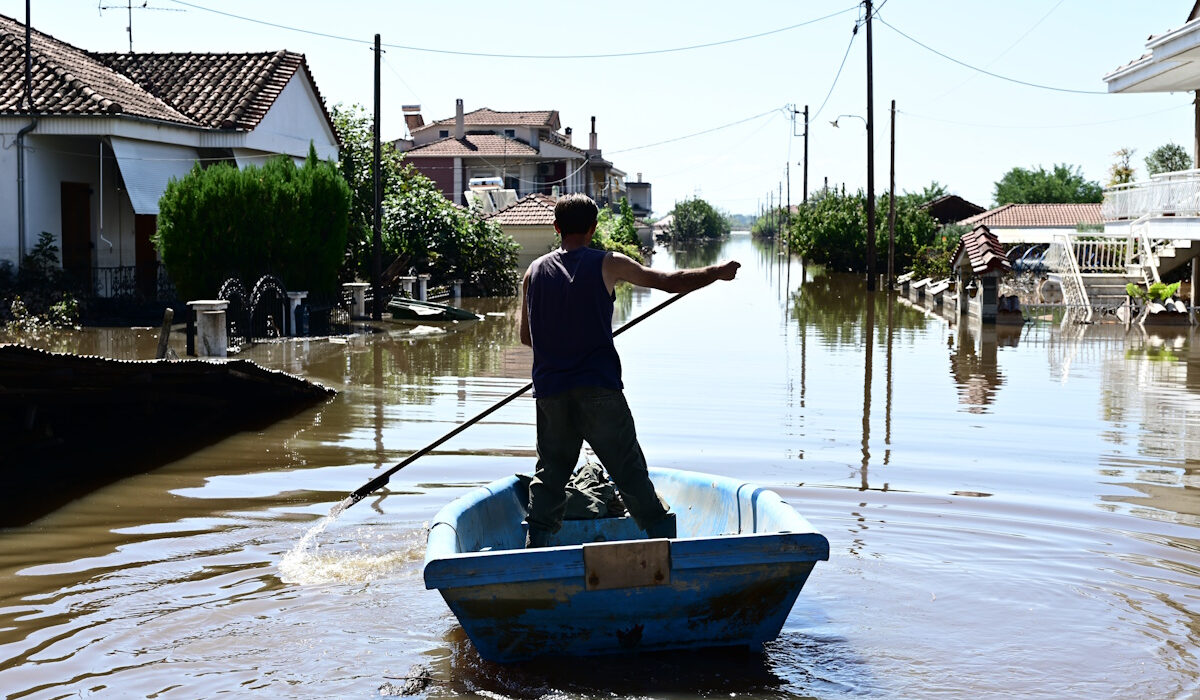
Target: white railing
x: 1060, y: 259
x: 1176, y: 193
x: 1139, y: 233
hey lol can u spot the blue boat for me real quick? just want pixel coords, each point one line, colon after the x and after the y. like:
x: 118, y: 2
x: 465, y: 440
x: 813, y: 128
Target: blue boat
x: 729, y: 579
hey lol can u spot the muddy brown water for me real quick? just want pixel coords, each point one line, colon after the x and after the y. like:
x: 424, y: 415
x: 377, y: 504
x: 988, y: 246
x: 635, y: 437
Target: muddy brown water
x: 1011, y: 513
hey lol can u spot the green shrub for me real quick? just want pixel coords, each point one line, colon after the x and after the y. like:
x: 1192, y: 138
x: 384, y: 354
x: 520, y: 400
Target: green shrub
x: 831, y: 230
x: 222, y: 222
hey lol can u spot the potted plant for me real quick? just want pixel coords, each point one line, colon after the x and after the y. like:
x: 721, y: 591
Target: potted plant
x: 1159, y: 304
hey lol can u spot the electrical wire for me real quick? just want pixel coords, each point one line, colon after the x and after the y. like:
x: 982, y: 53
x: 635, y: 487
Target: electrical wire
x: 1043, y: 126
x: 838, y: 75
x: 480, y: 54
x: 987, y: 72
x: 1005, y: 51
x: 698, y: 133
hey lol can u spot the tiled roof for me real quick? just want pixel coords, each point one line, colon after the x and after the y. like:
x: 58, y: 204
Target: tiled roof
x: 530, y: 210
x: 66, y: 80
x: 491, y: 145
x: 983, y: 251
x: 212, y: 90
x: 217, y: 90
x: 490, y: 117
x: 1038, y: 216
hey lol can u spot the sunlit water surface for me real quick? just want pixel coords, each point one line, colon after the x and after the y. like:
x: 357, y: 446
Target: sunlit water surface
x: 1010, y: 513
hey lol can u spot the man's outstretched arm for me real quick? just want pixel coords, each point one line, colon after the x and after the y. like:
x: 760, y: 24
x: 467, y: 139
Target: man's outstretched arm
x: 622, y: 268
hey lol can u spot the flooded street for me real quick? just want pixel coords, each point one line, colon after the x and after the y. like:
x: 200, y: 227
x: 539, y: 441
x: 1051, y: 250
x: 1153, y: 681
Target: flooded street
x: 1011, y: 513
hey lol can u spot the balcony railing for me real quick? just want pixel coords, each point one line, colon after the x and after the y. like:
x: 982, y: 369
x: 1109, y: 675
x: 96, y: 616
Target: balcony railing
x: 1166, y: 194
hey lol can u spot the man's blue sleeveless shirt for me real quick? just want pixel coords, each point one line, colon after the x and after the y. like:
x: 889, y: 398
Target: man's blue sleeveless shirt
x: 570, y: 322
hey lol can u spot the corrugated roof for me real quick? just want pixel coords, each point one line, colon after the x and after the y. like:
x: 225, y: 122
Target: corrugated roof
x: 1038, y: 216
x: 490, y: 117
x: 982, y: 251
x: 491, y: 145
x: 530, y: 210
x: 66, y: 80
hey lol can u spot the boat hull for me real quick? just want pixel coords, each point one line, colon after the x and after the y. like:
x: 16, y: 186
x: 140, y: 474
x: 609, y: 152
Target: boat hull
x: 598, y: 597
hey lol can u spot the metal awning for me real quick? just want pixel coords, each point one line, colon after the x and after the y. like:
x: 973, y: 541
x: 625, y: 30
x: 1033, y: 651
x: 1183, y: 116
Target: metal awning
x: 147, y: 167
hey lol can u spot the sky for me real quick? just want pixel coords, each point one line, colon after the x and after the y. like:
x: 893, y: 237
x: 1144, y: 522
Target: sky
x: 700, y: 99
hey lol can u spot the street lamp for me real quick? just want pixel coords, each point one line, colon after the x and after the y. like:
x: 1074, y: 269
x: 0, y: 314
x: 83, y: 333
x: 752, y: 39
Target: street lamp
x: 834, y: 123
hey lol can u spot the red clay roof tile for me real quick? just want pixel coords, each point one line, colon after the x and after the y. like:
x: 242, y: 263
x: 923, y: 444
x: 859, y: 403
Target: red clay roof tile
x: 489, y: 145
x: 1038, y: 216
x: 530, y: 210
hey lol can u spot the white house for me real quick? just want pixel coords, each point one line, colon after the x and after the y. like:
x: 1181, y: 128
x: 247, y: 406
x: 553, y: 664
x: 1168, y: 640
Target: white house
x: 91, y: 140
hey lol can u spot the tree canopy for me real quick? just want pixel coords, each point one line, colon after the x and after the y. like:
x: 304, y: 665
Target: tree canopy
x: 1168, y: 158
x: 419, y: 227
x: 831, y: 230
x: 696, y: 219
x: 1062, y: 184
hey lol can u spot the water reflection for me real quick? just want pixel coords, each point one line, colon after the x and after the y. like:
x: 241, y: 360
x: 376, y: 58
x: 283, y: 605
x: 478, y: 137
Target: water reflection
x: 974, y: 366
x: 1086, y: 438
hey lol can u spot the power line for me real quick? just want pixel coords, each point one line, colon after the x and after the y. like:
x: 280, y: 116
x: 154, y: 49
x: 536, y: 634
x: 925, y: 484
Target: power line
x: 850, y: 45
x: 987, y: 72
x: 698, y: 133
x: 480, y: 54
x: 1005, y: 51
x: 1043, y: 126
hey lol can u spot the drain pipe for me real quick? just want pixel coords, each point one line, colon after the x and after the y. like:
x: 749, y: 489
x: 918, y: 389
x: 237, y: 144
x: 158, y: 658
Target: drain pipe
x: 21, y: 139
x: 21, y: 189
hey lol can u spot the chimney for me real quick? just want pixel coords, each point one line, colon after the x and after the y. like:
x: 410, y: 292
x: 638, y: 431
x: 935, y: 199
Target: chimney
x: 567, y: 132
x: 639, y: 177
x: 592, y: 136
x: 458, y: 119
x: 412, y: 117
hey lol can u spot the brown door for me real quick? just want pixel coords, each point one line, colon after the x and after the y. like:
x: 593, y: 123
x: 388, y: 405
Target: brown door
x: 145, y: 257
x: 76, y: 203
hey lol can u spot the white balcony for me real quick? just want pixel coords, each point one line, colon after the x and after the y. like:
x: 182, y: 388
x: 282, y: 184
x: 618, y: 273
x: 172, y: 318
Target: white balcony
x: 1167, y: 194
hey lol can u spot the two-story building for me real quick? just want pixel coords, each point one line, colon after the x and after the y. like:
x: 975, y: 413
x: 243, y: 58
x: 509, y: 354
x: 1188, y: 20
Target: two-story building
x: 529, y: 151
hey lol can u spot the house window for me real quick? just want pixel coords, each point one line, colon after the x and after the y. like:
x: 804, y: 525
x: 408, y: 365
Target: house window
x: 444, y: 134
x: 510, y: 133
x: 512, y: 182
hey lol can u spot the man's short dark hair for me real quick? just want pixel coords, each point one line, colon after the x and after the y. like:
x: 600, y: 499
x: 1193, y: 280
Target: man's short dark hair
x: 575, y: 213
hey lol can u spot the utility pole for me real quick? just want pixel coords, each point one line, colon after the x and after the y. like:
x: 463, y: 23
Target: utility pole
x: 806, y: 154
x: 891, y: 276
x: 870, y: 159
x: 377, y: 256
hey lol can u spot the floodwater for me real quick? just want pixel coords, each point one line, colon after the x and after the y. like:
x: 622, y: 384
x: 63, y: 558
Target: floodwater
x: 1011, y: 513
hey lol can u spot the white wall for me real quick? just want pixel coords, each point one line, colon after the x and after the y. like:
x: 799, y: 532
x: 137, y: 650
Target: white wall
x: 293, y: 121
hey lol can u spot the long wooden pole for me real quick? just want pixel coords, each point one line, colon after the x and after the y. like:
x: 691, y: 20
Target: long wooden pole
x: 381, y: 480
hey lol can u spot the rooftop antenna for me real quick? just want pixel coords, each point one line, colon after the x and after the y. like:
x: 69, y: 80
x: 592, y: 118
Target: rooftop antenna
x: 129, y: 8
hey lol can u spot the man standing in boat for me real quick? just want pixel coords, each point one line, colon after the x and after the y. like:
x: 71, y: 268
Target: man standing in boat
x: 567, y: 319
